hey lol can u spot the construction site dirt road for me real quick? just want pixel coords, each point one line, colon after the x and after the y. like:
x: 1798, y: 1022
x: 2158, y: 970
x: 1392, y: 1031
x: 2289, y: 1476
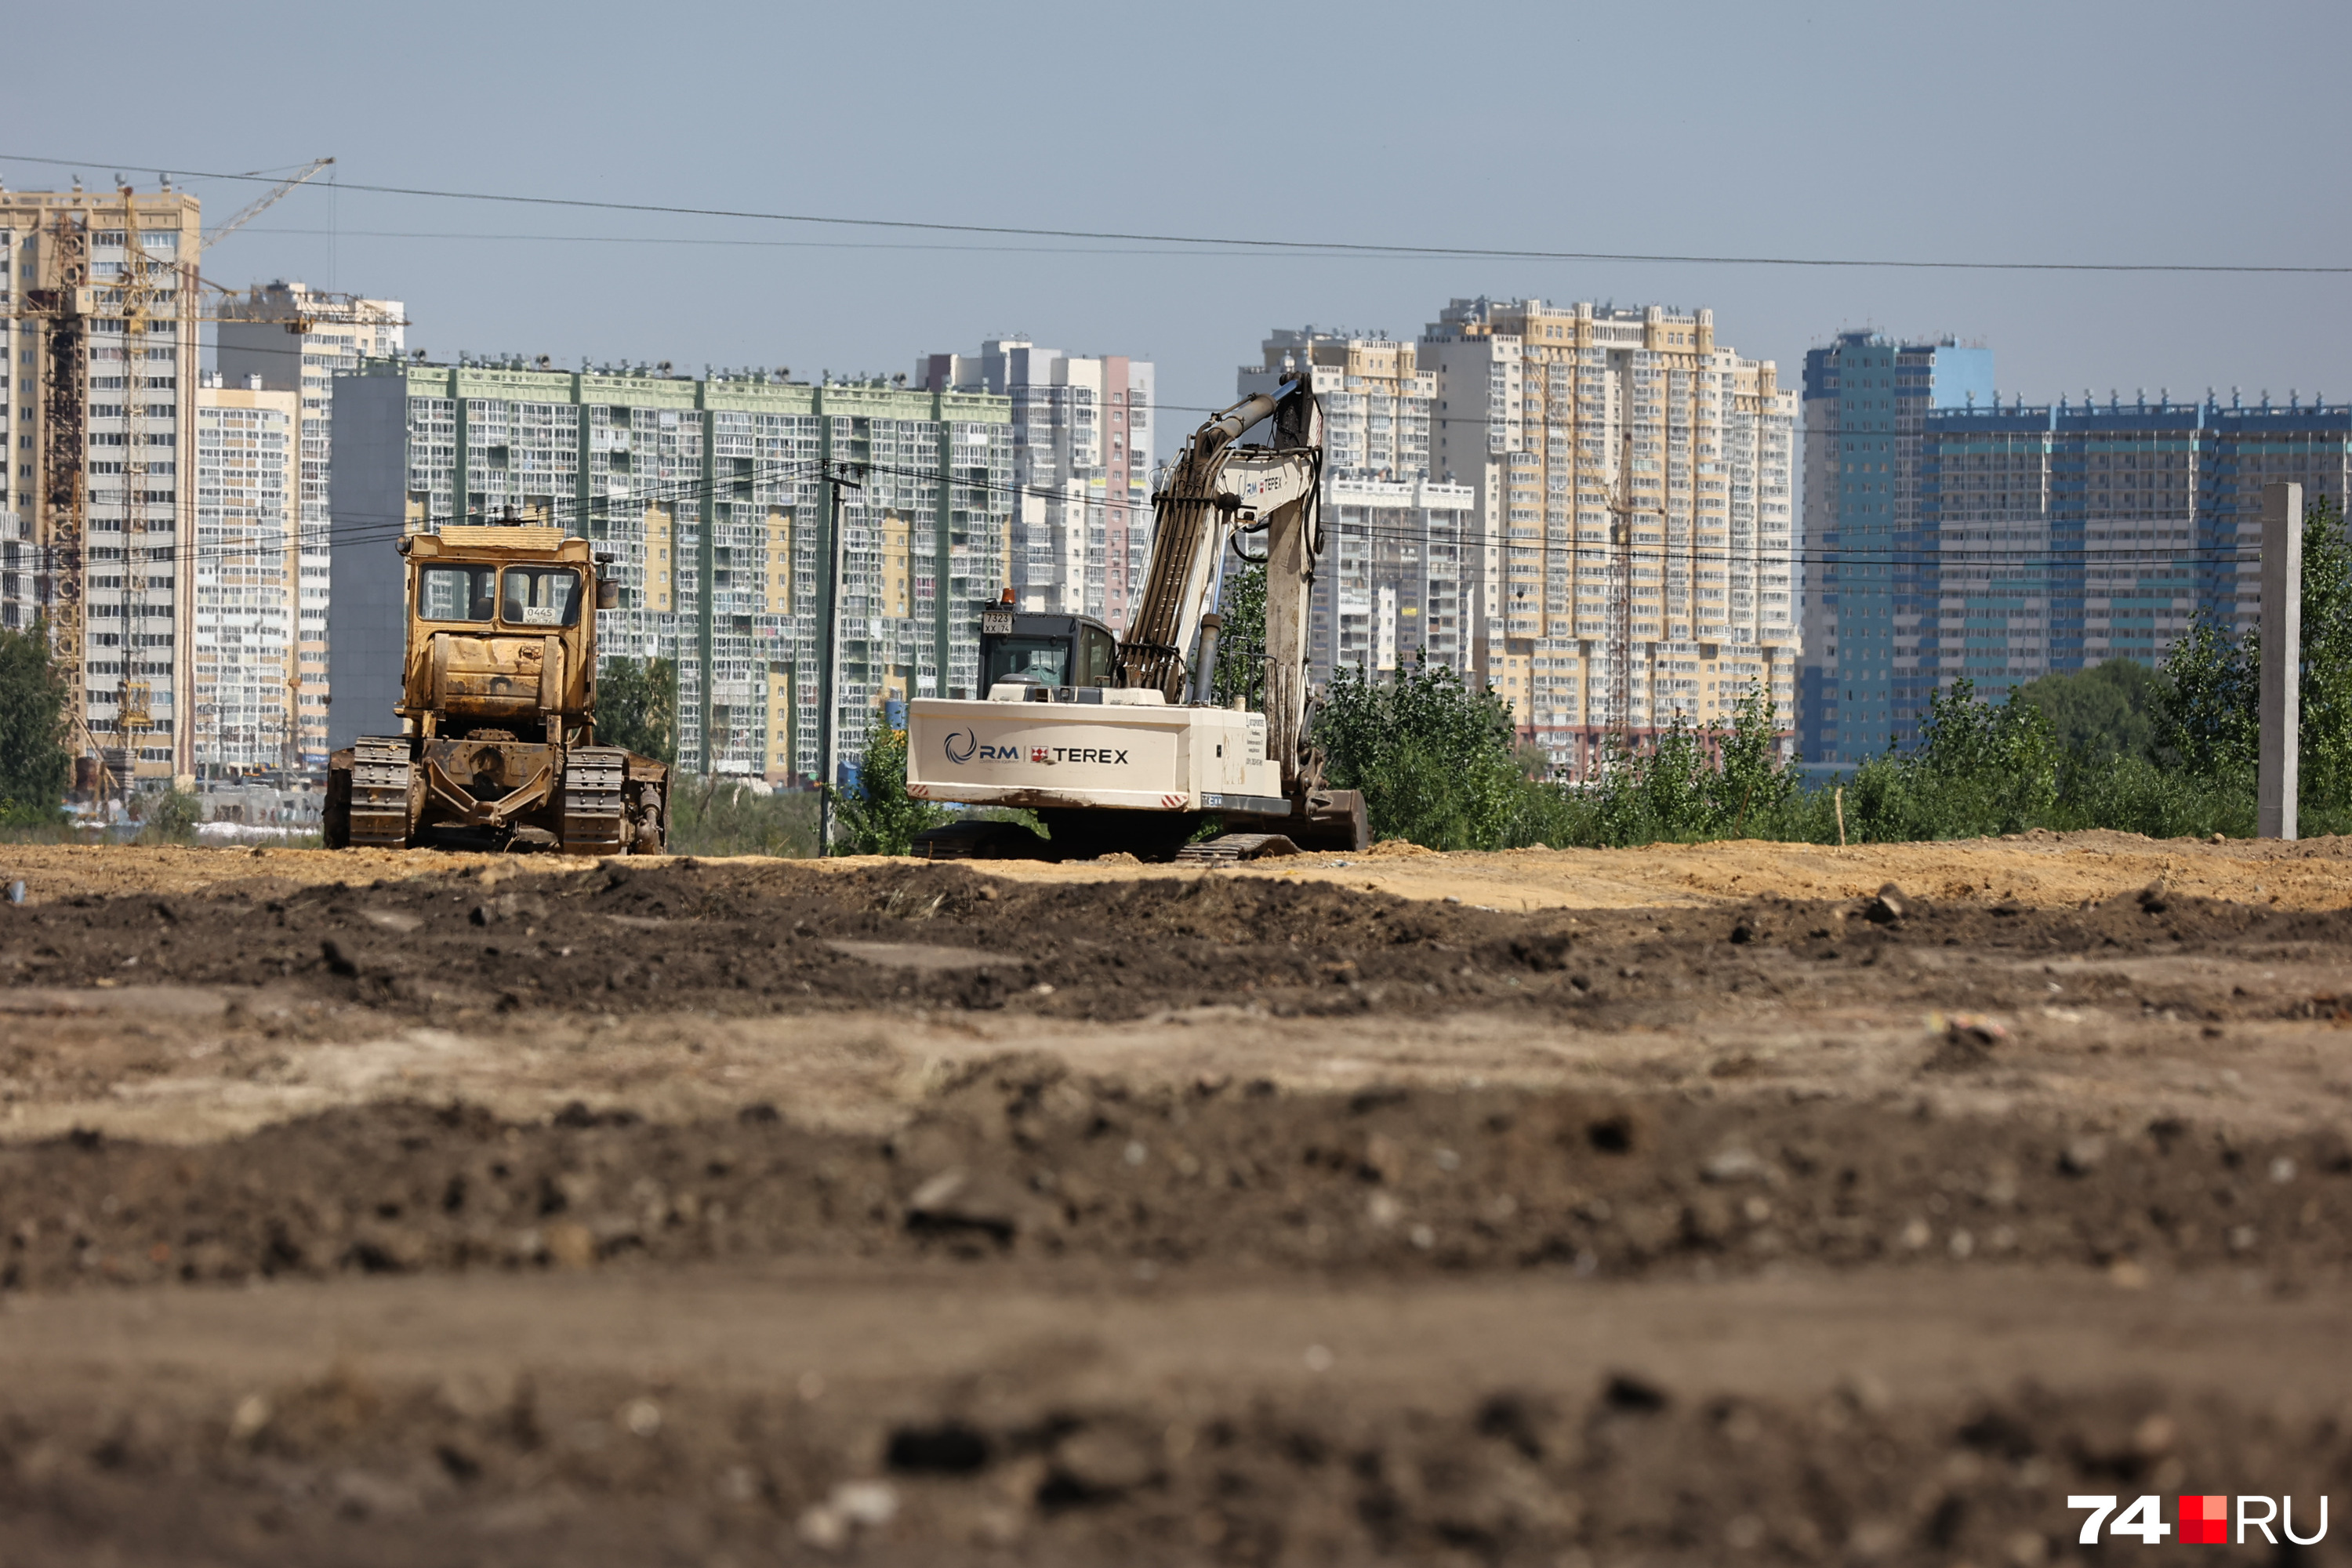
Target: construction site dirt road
x: 1680, y: 1206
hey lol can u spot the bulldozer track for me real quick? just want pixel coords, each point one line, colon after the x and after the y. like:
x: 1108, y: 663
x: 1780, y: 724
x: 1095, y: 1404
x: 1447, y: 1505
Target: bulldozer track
x: 381, y: 775
x: 593, y: 781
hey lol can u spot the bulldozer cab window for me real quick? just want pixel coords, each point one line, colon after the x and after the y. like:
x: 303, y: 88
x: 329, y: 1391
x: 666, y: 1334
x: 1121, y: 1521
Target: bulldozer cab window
x: 456, y: 592
x: 1046, y: 661
x: 540, y: 596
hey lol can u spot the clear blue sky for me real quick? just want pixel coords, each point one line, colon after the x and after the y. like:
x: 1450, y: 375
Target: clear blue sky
x: 1999, y: 132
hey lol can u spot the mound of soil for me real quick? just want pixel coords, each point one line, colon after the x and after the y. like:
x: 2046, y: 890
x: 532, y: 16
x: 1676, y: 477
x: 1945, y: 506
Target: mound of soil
x: 358, y: 1469
x: 743, y: 938
x: 409, y: 1331
x: 1023, y: 1159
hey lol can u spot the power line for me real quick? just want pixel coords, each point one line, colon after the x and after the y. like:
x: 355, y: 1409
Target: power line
x: 581, y: 512
x: 1494, y: 253
x: 786, y: 244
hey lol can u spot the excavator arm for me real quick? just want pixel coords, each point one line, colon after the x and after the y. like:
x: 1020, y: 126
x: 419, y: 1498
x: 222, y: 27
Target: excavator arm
x: 1216, y: 490
x: 1136, y: 762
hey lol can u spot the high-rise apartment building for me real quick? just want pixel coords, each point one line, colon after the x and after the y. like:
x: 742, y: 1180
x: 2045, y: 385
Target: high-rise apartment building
x: 2059, y: 536
x: 1868, y: 588
x: 1082, y: 447
x: 717, y: 500
x: 258, y: 338
x: 1632, y: 486
x: 246, y: 574
x: 1393, y: 583
x: 1377, y: 398
x: 97, y: 511
x: 1955, y: 536
x: 1397, y: 574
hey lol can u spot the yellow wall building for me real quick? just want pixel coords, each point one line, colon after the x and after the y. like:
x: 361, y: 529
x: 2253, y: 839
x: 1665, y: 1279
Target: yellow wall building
x: 1635, y: 485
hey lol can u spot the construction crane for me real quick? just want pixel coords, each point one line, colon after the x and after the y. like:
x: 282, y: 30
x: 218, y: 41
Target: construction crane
x: 262, y: 203
x: 66, y: 304
x: 1622, y: 512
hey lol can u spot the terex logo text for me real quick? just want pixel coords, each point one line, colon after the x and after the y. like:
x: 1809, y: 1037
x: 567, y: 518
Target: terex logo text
x: 963, y: 746
x: 2204, y: 1519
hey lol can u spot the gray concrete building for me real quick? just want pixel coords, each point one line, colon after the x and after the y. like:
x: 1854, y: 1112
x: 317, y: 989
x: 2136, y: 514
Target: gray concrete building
x: 715, y: 499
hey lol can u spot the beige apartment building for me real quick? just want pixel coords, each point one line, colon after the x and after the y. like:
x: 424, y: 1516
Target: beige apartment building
x: 97, y: 507
x: 1400, y: 544
x: 1376, y: 396
x: 1082, y: 435
x: 245, y: 673
x: 1632, y: 482
x: 256, y: 340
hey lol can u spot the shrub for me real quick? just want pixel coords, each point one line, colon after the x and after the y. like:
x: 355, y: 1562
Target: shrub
x: 169, y: 817
x: 1434, y: 758
x: 1698, y: 784
x: 1977, y: 770
x: 716, y: 815
x: 878, y: 817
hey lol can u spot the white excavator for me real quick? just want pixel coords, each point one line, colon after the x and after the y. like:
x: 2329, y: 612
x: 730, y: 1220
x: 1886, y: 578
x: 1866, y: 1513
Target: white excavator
x: 1120, y: 746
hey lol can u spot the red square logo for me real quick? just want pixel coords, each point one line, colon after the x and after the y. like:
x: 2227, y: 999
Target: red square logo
x: 2205, y: 1521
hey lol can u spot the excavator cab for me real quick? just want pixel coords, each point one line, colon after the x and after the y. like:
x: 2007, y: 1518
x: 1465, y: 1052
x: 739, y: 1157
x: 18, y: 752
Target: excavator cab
x: 1059, y: 651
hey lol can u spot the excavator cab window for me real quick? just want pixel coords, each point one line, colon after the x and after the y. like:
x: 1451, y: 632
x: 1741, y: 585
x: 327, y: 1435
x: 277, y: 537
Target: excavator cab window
x: 456, y: 592
x: 1097, y: 657
x: 1046, y: 661
x: 540, y: 596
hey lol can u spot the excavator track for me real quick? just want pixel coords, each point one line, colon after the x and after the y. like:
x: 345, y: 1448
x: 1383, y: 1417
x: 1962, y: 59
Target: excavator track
x: 381, y: 775
x: 593, y: 777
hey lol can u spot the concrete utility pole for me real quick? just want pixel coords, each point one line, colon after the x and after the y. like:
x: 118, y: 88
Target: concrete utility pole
x: 828, y: 716
x: 2282, y: 719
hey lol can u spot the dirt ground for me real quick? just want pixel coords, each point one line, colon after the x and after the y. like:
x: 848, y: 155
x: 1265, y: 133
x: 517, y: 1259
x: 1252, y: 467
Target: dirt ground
x: 1684, y: 1206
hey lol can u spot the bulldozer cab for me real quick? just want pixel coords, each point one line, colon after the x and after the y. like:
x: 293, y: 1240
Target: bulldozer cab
x: 498, y: 744
x: 501, y: 634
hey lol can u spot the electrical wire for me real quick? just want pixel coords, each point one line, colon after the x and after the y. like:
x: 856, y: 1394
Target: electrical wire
x: 1893, y: 555
x: 1229, y: 241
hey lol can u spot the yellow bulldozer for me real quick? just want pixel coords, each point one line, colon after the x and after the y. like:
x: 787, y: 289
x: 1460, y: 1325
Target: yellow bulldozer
x: 498, y: 744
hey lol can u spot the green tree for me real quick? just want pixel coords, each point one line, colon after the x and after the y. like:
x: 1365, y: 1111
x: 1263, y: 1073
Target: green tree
x: 2104, y: 712
x: 2326, y: 767
x: 1434, y: 758
x: 1977, y: 770
x: 636, y: 707
x: 2209, y: 711
x: 35, y: 766
x: 878, y: 817
x: 1240, y: 647
x: 1699, y: 784
x: 2205, y: 713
